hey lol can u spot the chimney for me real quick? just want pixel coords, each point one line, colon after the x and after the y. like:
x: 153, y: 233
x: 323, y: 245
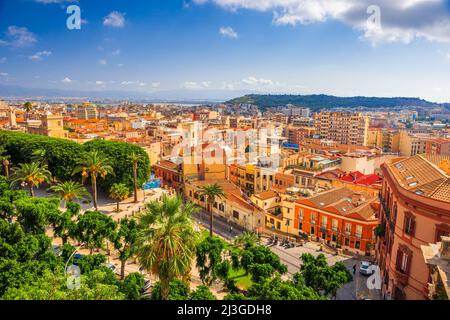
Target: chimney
x: 357, y: 199
x: 444, y: 250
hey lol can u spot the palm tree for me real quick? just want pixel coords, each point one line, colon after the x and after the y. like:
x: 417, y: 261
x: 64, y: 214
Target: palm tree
x: 69, y: 191
x: 135, y: 158
x: 27, y: 106
x: 32, y: 174
x: 4, y: 159
x: 92, y: 165
x: 120, y: 192
x: 166, y: 242
x: 211, y: 192
x: 247, y: 240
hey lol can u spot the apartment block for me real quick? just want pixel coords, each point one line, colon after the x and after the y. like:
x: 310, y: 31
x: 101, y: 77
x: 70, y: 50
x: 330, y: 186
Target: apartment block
x: 342, y: 127
x: 87, y: 111
x: 414, y: 212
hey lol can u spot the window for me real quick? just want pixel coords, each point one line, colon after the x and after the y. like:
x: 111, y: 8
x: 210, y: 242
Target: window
x: 442, y: 230
x: 324, y: 222
x: 300, y: 215
x: 357, y: 245
x: 235, y: 214
x: 403, y: 262
x: 358, y: 231
x: 312, y: 230
x: 409, y: 224
x: 348, y: 228
x: 313, y: 217
x: 221, y: 207
x: 300, y: 226
x: 346, y: 242
x: 335, y: 225
x: 278, y: 225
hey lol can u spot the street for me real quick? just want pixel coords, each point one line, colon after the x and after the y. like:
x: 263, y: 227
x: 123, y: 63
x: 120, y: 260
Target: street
x: 221, y: 226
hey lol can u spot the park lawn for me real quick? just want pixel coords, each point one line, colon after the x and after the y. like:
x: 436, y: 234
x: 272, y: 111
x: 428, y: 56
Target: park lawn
x: 243, y: 281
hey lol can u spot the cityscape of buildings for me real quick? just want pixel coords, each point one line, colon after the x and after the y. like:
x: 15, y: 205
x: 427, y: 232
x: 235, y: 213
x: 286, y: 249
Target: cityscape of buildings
x: 367, y: 183
x: 237, y: 150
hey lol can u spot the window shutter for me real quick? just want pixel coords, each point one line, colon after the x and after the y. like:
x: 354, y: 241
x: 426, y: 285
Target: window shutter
x: 413, y: 227
x: 408, y: 263
x: 398, y: 263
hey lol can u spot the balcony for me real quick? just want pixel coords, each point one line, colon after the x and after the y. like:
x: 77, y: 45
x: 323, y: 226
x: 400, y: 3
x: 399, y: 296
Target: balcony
x: 401, y: 277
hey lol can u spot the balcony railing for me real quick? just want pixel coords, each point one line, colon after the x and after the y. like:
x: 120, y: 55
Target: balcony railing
x: 401, y: 277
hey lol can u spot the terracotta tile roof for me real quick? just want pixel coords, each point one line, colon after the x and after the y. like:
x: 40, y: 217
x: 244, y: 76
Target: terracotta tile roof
x: 266, y: 195
x: 339, y: 201
x: 167, y: 164
x: 352, y: 176
x: 233, y: 192
x: 329, y: 197
x: 422, y: 175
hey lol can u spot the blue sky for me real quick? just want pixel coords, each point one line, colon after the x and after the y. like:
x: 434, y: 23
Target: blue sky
x: 222, y: 48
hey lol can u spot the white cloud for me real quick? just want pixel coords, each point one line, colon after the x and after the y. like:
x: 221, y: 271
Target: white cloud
x: 253, y: 81
x: 40, y: 55
x: 401, y: 20
x: 156, y: 84
x: 134, y: 83
x: 120, y: 65
x: 116, y: 52
x: 103, y: 62
x: 4, y: 74
x: 114, y: 19
x: 192, y: 85
x: 18, y: 37
x: 66, y: 80
x: 99, y: 83
x: 3, y: 60
x: 228, y: 32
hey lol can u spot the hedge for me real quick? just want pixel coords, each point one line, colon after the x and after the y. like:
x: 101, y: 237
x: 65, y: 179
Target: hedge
x: 62, y: 155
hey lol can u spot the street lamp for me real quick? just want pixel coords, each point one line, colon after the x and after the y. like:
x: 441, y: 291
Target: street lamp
x: 70, y: 257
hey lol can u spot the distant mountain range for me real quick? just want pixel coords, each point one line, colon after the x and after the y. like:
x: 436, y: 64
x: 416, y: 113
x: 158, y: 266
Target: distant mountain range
x: 169, y: 96
x: 321, y: 101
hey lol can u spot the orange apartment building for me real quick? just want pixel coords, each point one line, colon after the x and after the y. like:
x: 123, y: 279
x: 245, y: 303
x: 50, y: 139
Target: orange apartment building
x: 340, y: 218
x: 414, y: 212
x: 170, y: 174
x: 284, y: 181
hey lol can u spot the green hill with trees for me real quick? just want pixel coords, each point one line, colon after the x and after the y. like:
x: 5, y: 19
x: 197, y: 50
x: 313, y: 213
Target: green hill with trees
x: 321, y: 101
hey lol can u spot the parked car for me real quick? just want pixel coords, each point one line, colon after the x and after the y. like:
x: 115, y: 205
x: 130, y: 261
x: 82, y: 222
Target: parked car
x: 364, y: 269
x: 56, y: 249
x: 110, y: 266
x: 76, y: 258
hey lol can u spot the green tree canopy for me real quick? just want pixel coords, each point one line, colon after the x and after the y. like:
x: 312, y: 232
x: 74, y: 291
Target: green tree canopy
x: 317, y: 274
x: 93, y: 228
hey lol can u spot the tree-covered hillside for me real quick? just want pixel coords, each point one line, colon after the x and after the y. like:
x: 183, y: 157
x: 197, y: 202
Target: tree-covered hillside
x: 316, y: 102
